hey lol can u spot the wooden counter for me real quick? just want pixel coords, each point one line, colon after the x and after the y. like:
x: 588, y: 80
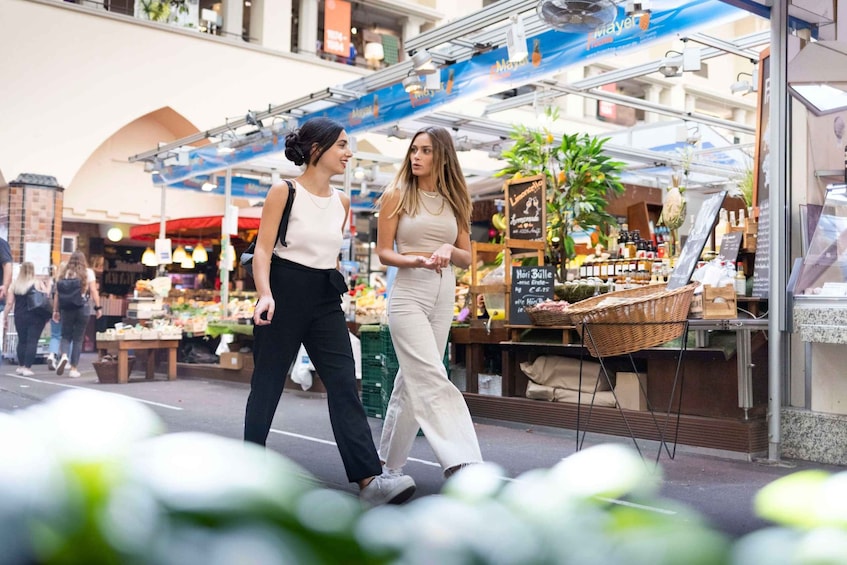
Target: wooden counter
x: 124, y: 346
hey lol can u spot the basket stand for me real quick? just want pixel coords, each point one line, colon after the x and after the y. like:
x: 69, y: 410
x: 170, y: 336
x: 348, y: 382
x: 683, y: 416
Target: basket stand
x: 666, y: 417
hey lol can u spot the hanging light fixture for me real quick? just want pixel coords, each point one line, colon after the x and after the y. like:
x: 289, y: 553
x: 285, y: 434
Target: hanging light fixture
x: 149, y: 258
x: 374, y: 52
x: 179, y: 254
x: 199, y: 254
x: 412, y: 83
x: 422, y: 61
x: 187, y: 262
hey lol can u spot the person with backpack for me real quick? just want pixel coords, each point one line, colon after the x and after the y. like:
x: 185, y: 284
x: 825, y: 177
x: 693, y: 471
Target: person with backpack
x: 29, y: 321
x: 76, y: 290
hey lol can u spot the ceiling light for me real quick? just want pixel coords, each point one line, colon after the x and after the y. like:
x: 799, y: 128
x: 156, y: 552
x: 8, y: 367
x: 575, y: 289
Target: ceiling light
x: 199, y: 254
x: 496, y: 151
x: 208, y: 186
x: 179, y: 254
x: 397, y: 132
x: 251, y: 119
x: 187, y: 262
x: 742, y: 87
x: 412, y: 84
x: 149, y: 258
x: 422, y: 61
x: 359, y: 173
x: 516, y: 40
x: 115, y: 234
x: 671, y: 65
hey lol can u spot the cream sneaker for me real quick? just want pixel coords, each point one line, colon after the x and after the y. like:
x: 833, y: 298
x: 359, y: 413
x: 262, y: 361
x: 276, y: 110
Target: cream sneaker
x: 388, y: 489
x: 51, y: 362
x: 73, y: 373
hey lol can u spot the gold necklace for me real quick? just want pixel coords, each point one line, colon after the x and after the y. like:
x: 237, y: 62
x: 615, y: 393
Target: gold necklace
x: 316, y: 202
x: 428, y: 194
x: 431, y: 213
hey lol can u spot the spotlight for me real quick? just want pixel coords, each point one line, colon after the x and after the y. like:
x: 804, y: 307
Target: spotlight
x: 422, y: 61
x: 208, y: 186
x: 412, y: 84
x: 359, y: 173
x: 671, y: 66
x: 250, y: 118
x: 742, y: 87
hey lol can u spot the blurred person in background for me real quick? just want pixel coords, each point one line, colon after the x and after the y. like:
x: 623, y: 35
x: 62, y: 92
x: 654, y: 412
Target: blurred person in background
x: 29, y: 323
x: 75, y: 319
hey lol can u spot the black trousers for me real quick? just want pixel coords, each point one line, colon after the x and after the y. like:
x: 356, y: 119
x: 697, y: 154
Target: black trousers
x: 308, y: 311
x: 29, y: 326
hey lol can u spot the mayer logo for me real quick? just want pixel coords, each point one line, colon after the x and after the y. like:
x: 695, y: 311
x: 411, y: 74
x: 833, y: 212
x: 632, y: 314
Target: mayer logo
x: 607, y: 34
x: 359, y: 114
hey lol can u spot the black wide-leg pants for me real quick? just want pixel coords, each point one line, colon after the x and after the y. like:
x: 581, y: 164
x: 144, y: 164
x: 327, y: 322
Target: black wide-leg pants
x: 308, y: 311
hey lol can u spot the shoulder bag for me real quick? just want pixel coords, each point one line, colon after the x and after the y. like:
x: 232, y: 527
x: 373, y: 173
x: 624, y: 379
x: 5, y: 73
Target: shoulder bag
x: 247, y: 254
x: 39, y: 302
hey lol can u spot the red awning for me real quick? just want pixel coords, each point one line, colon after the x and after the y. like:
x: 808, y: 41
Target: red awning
x: 203, y: 227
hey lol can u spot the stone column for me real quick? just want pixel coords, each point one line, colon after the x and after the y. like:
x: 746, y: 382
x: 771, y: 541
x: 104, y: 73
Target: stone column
x: 232, y: 13
x: 270, y: 24
x: 307, y: 28
x: 31, y: 213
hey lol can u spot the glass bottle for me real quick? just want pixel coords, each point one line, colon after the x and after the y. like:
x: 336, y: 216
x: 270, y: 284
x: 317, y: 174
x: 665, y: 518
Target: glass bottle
x: 740, y: 280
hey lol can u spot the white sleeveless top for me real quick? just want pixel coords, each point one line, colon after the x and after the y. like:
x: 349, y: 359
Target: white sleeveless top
x: 314, y: 230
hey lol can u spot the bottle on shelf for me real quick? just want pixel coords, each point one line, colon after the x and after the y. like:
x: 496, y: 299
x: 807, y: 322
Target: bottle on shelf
x: 740, y: 280
x: 721, y: 229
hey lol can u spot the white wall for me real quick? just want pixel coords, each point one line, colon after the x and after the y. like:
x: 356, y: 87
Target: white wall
x: 74, y: 78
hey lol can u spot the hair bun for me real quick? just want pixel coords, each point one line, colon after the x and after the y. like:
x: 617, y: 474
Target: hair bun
x: 292, y: 149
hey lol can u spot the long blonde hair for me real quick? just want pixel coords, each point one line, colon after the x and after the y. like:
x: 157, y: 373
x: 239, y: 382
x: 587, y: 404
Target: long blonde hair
x: 449, y: 180
x: 25, y: 279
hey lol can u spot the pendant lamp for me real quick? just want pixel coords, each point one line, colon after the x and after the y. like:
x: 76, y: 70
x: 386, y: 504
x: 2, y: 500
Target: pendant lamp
x: 179, y: 254
x: 199, y: 254
x: 148, y: 258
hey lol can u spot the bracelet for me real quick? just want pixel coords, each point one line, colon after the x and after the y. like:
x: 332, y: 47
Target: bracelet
x: 98, y: 308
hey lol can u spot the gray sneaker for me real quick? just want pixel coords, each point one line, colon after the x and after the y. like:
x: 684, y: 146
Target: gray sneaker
x: 388, y: 489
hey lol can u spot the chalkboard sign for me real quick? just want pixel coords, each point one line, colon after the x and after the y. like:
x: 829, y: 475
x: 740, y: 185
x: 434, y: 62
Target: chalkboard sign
x: 762, y: 267
x: 530, y: 285
x: 730, y: 244
x: 526, y: 208
x: 693, y: 248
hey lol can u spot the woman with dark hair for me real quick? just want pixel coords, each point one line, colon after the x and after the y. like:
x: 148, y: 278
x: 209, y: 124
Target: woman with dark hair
x: 424, y: 228
x: 75, y: 318
x: 299, y: 277
x: 28, y: 323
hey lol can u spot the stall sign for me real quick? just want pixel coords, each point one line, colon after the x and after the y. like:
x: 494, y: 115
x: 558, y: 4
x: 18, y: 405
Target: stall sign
x: 530, y: 285
x: 526, y: 208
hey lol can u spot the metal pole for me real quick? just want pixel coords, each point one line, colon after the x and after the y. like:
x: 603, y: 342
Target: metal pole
x: 225, y: 259
x: 160, y: 270
x: 779, y: 250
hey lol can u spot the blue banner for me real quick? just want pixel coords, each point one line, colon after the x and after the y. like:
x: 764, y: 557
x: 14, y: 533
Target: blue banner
x: 549, y: 53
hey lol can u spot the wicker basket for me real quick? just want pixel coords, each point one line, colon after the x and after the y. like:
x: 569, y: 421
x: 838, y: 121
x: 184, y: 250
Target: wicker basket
x: 542, y: 317
x: 107, y: 369
x: 649, y: 316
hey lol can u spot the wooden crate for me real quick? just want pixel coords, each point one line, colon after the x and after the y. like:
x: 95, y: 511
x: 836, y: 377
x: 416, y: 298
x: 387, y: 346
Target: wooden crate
x: 719, y: 302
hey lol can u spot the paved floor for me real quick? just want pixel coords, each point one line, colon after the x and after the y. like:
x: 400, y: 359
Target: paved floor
x: 721, y: 489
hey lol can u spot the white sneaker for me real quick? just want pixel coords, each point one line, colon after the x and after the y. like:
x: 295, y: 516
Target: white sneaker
x: 26, y: 372
x: 60, y: 367
x: 73, y: 373
x: 19, y: 371
x: 388, y: 489
x: 51, y: 362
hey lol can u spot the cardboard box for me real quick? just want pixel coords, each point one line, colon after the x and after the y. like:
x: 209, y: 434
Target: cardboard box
x: 629, y: 392
x: 231, y: 361
x: 719, y: 303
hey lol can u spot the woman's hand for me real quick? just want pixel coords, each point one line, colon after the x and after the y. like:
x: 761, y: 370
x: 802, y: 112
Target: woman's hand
x: 263, y: 313
x: 56, y: 316
x: 440, y: 259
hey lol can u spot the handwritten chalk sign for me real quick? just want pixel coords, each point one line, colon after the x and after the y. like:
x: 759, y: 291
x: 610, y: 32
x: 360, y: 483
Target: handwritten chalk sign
x: 530, y: 285
x: 693, y: 248
x: 526, y: 208
x: 762, y: 265
x: 730, y: 244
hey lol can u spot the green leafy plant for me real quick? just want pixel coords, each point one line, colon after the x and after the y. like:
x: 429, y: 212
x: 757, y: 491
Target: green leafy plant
x: 160, y: 10
x: 580, y: 180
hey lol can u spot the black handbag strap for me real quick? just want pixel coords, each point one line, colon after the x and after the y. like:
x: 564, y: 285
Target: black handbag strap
x: 286, y: 214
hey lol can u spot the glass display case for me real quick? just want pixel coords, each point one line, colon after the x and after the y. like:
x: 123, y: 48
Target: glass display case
x: 820, y: 290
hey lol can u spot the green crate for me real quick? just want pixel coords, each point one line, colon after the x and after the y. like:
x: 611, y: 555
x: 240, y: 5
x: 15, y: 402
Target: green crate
x: 375, y: 412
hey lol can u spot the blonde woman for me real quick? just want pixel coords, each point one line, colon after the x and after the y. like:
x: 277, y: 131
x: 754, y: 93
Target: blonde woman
x: 424, y: 229
x: 74, y: 314
x: 28, y: 323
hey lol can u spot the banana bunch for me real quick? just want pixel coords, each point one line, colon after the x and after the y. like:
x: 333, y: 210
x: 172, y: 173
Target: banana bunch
x: 673, y: 212
x: 498, y: 220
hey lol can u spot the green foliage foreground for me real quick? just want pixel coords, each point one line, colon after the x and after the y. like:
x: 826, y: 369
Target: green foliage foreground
x: 90, y: 477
